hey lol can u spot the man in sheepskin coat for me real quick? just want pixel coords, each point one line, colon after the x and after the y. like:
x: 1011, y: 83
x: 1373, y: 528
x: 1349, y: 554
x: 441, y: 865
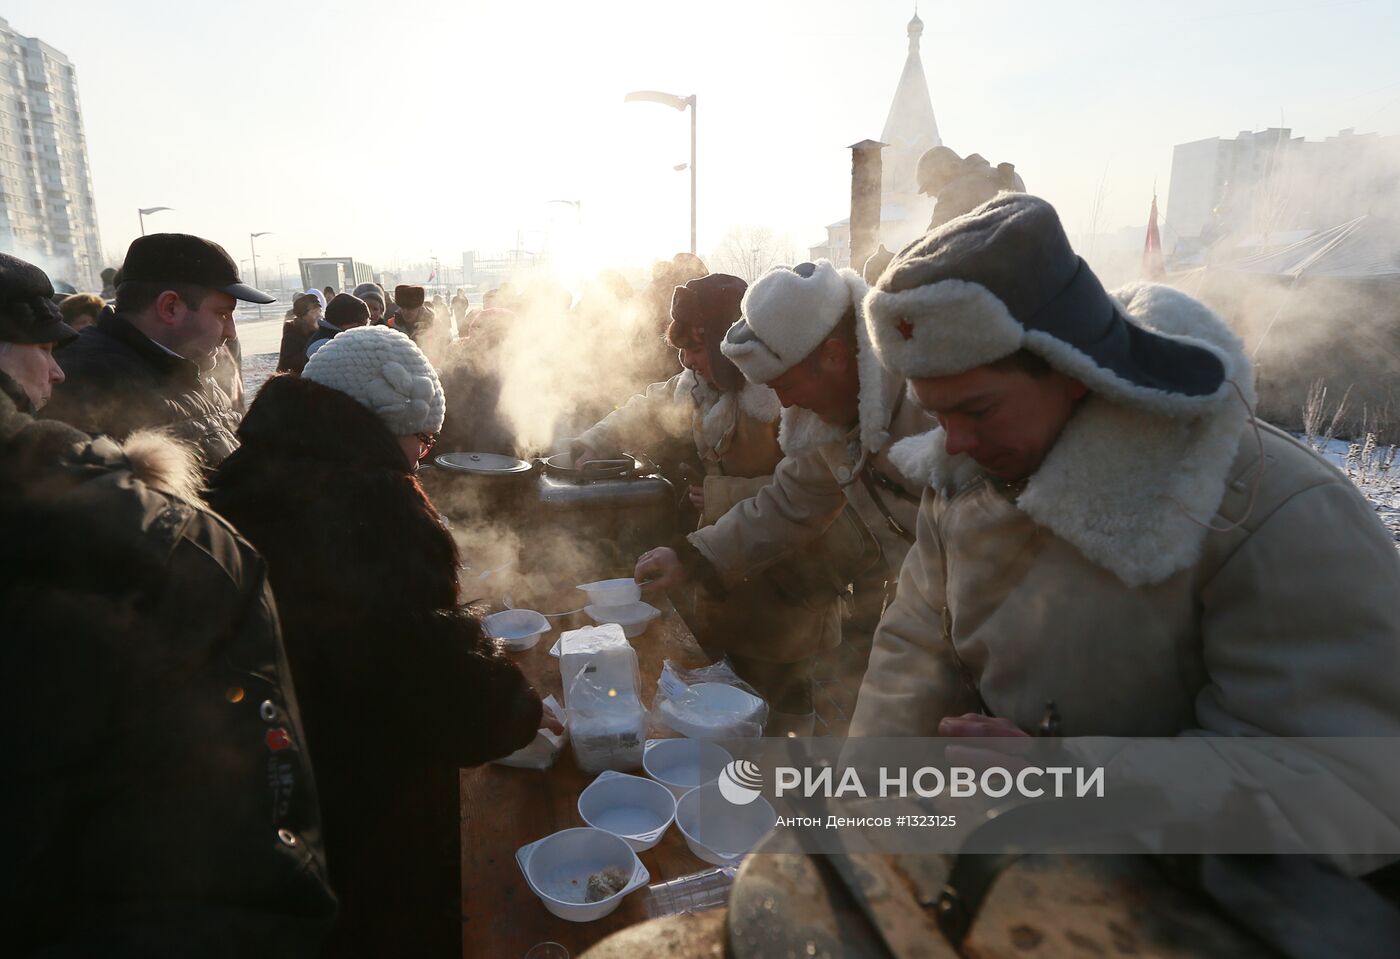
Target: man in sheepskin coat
x: 1108, y: 527
x: 157, y: 797
x: 773, y: 625
x: 398, y: 685
x: 802, y: 335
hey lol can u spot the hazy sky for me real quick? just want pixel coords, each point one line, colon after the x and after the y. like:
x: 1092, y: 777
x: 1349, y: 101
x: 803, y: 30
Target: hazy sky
x: 392, y: 131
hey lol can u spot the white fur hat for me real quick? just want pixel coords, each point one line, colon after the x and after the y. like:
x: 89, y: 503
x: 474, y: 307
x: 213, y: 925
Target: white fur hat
x: 786, y: 315
x: 385, y: 372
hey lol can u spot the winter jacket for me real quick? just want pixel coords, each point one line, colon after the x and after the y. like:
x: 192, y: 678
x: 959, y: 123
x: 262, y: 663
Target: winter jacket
x: 826, y: 468
x: 16, y: 393
x: 430, y: 331
x: 471, y: 385
x: 323, y: 334
x: 790, y: 611
x: 1099, y: 587
x: 157, y: 799
x: 118, y: 380
x: 291, y: 356
x: 398, y: 687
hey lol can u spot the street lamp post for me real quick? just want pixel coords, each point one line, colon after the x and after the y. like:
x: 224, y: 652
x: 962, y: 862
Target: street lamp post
x: 251, y: 246
x: 143, y: 212
x: 578, y: 209
x: 677, y: 103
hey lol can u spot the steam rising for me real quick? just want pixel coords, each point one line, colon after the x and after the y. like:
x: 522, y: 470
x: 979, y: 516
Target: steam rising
x: 535, y: 369
x: 1342, y: 332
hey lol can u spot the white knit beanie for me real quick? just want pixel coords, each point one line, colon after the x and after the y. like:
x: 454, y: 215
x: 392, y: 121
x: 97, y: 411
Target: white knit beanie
x: 786, y: 315
x: 385, y: 372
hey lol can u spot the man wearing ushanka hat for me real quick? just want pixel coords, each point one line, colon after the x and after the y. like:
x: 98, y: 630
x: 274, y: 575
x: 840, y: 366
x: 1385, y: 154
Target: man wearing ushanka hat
x: 802, y: 335
x: 1105, y: 524
x: 773, y: 626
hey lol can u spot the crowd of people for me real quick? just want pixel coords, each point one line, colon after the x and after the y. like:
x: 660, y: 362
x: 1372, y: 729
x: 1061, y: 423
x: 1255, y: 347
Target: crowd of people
x: 250, y: 624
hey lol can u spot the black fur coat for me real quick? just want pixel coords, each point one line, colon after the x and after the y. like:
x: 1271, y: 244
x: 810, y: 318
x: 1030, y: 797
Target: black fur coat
x: 398, y: 687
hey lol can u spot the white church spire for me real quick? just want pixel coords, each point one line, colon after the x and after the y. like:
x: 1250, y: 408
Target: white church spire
x: 910, y: 127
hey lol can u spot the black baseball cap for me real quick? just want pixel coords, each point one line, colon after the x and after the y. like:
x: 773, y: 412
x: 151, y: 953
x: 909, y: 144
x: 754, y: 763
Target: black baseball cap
x: 181, y: 258
x: 27, y: 310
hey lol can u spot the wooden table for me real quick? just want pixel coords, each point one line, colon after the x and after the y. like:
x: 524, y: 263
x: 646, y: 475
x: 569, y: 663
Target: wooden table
x: 505, y: 808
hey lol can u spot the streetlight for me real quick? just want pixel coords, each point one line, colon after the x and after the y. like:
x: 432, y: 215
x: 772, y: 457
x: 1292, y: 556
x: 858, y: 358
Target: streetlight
x: 251, y: 238
x: 144, y: 212
x: 578, y: 209
x: 677, y: 103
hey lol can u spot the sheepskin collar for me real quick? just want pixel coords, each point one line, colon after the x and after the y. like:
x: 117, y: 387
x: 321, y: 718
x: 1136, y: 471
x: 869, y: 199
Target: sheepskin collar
x: 719, y: 410
x: 802, y: 430
x: 1131, y: 487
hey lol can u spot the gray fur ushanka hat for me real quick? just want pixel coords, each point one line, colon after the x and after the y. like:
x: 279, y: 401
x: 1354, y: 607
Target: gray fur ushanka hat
x: 1003, y: 278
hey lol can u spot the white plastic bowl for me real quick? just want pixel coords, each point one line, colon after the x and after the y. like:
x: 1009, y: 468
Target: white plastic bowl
x: 633, y: 617
x: 518, y: 629
x: 557, y: 868
x: 612, y: 592
x: 639, y: 810
x: 713, y: 711
x: 682, y: 764
x: 717, y: 830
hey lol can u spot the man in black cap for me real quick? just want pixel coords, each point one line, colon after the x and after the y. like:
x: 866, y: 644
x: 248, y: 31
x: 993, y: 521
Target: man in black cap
x: 156, y: 797
x: 149, y: 364
x: 30, y: 327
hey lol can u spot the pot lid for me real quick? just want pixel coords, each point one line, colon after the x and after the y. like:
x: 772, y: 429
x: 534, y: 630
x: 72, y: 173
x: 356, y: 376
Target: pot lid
x: 487, y: 464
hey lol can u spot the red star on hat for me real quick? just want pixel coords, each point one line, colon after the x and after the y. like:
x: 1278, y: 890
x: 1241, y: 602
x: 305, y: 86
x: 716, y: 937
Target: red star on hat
x: 906, y: 329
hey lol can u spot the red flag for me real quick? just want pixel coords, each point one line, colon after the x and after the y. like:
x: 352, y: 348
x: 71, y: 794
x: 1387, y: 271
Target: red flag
x: 1152, y: 266
x: 431, y: 276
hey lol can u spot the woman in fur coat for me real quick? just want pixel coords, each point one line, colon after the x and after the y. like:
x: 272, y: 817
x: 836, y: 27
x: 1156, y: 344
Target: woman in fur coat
x: 397, y: 684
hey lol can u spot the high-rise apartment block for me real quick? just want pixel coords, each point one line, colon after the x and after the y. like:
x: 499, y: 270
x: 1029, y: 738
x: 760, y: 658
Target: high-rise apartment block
x: 47, y: 214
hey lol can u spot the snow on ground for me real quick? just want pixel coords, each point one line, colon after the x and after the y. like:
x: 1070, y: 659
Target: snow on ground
x: 260, y: 340
x: 1375, y: 469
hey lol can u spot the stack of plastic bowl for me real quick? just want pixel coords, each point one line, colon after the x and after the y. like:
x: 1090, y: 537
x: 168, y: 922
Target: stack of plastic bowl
x: 619, y: 601
x: 714, y: 711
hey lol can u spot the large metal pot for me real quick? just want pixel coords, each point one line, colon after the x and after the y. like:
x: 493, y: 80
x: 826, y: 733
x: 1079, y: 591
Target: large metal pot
x: 599, y: 517
x: 479, y: 483
x: 624, y: 504
x: 627, y: 466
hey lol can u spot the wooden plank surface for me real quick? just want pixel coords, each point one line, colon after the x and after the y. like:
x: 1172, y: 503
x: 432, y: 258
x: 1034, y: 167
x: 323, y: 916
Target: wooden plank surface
x: 698, y: 936
x: 504, y: 808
